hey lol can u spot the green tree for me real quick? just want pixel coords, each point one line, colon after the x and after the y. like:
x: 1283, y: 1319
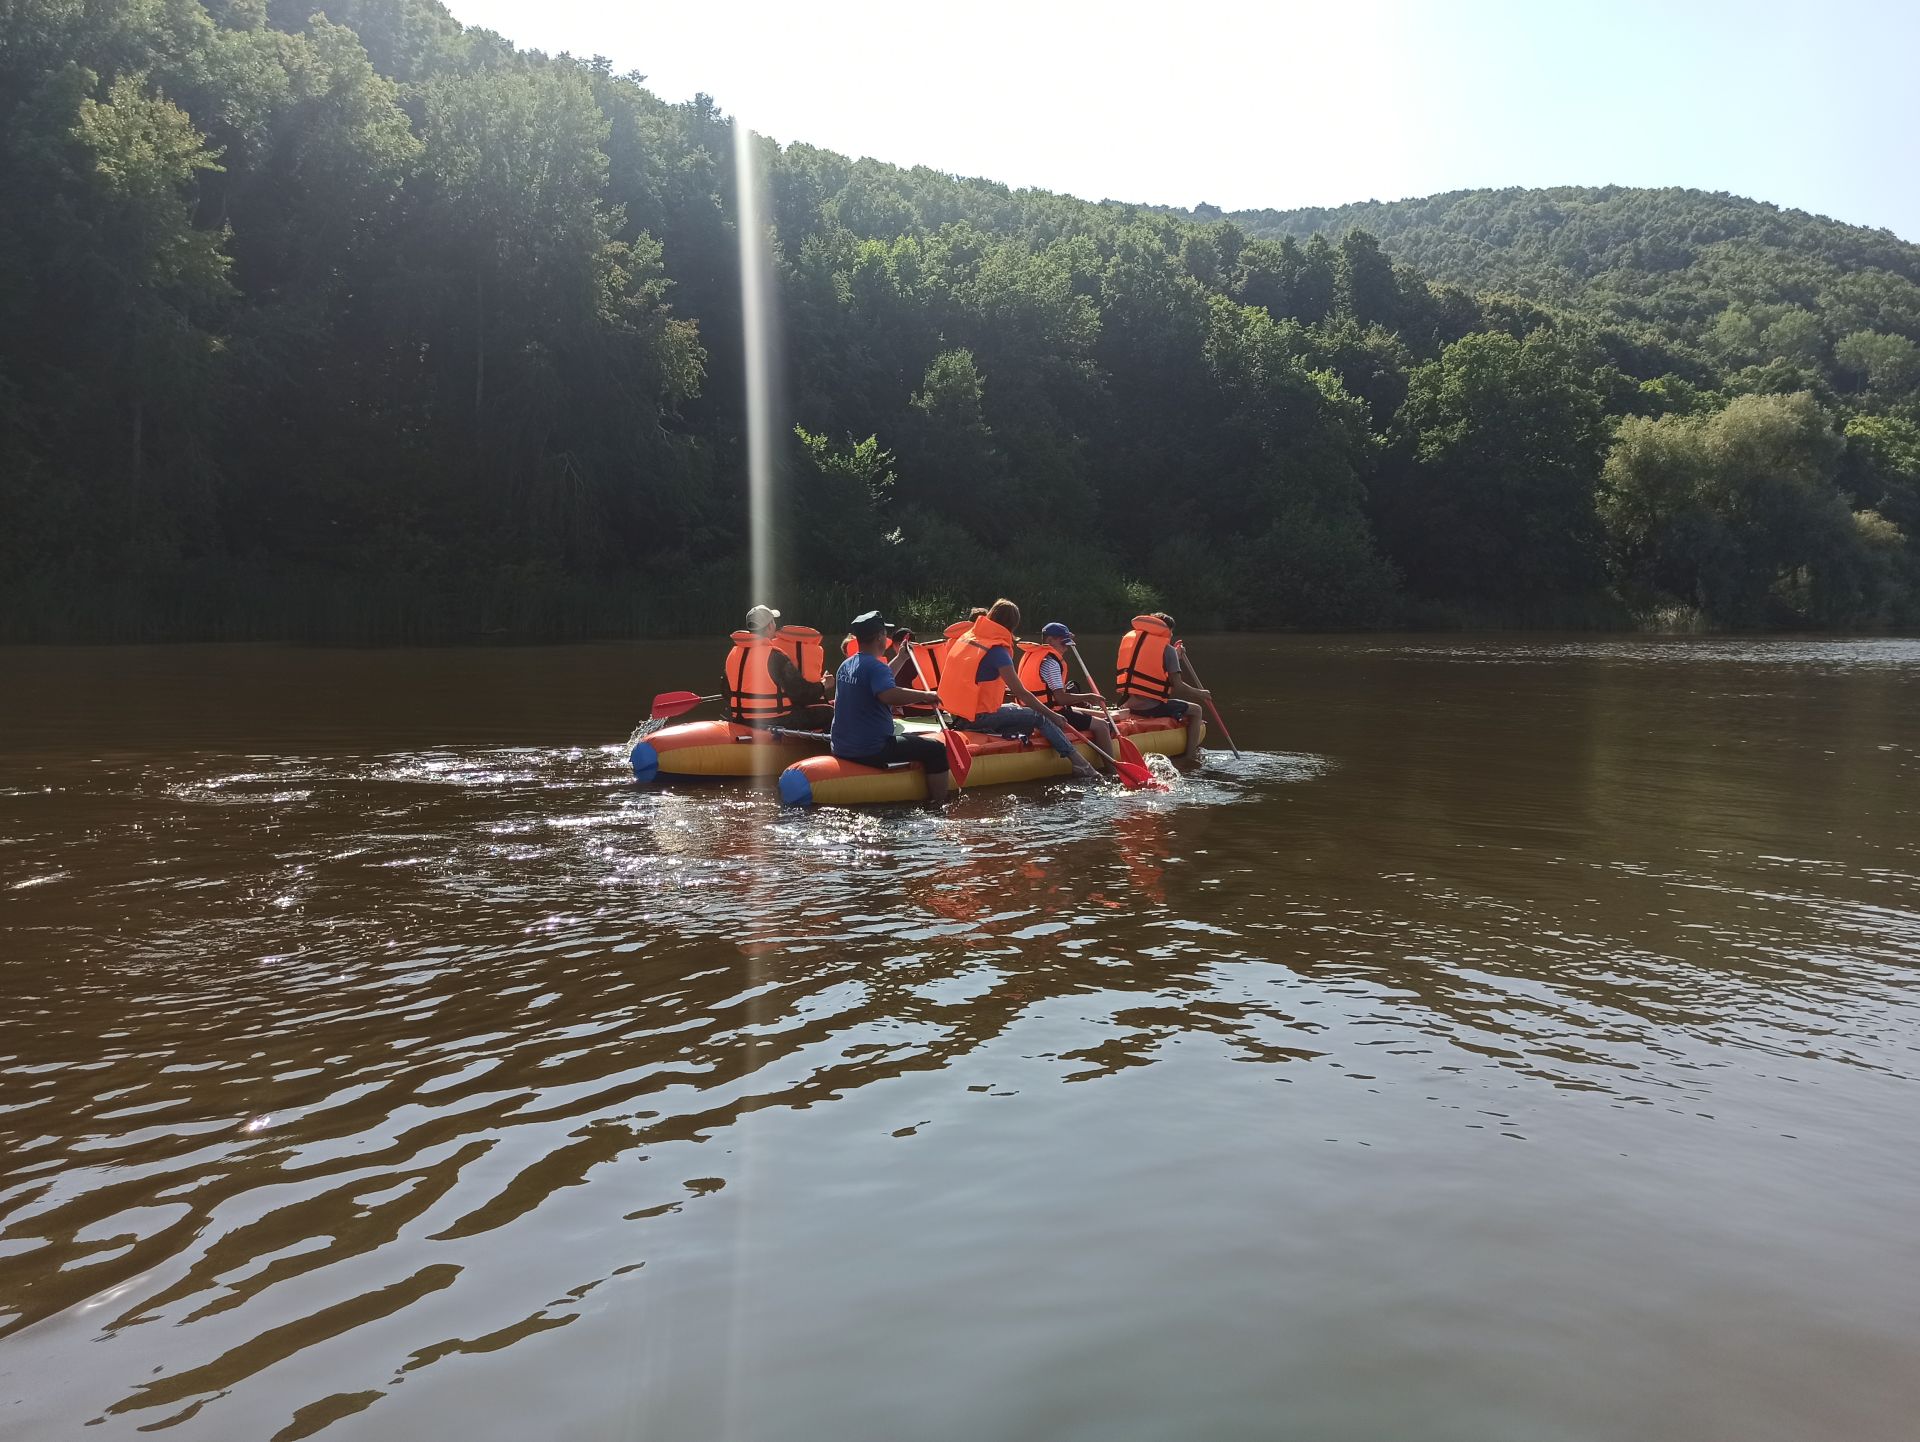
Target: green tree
x: 1890, y: 364
x: 1365, y: 289
x: 155, y: 270
x: 1881, y: 468
x: 1499, y: 446
x: 1795, y: 336
x: 514, y: 168
x: 1736, y: 513
x: 843, y: 493
x: 954, y: 468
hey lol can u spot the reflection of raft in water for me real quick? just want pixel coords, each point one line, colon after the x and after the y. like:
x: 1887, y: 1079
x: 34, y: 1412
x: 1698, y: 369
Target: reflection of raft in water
x: 997, y: 761
x: 705, y: 749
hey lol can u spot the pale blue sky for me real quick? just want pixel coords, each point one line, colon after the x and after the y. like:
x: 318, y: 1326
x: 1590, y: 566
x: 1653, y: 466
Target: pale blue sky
x: 1809, y: 105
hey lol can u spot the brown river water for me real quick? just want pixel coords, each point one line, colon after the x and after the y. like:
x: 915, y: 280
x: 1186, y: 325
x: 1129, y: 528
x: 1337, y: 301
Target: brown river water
x: 1520, y: 1041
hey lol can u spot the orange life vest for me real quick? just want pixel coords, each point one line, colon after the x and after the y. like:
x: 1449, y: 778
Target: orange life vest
x: 923, y: 671
x: 1032, y: 657
x: 1141, y: 670
x: 933, y: 654
x: 960, y: 693
x: 851, y: 648
x: 751, y: 693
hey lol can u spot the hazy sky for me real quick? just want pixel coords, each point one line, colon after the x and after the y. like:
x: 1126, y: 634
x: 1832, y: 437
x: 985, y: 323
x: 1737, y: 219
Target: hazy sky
x: 1814, y: 105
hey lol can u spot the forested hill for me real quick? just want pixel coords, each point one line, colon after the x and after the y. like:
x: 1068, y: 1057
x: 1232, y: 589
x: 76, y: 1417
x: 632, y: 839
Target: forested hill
x: 367, y: 325
x: 1710, y: 269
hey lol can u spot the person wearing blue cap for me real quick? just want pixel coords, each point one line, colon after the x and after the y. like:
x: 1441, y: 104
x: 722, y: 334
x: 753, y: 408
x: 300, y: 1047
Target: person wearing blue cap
x: 865, y: 692
x: 1043, y: 671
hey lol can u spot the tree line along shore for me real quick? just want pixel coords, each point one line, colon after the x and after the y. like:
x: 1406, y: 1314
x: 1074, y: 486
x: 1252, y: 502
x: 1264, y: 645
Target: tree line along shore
x: 363, y: 325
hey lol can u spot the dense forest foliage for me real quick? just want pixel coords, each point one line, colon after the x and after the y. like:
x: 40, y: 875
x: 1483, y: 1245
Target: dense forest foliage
x: 365, y: 325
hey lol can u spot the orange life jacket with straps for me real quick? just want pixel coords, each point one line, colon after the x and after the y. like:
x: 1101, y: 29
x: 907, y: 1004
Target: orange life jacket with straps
x: 1141, y: 670
x: 933, y: 654
x: 1032, y: 657
x: 851, y: 648
x: 751, y: 693
x: 923, y: 671
x: 960, y: 693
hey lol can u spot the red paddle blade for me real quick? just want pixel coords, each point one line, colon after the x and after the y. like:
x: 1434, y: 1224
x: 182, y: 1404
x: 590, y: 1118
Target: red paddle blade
x: 959, y: 757
x: 1136, y: 777
x: 1129, y: 753
x: 674, y: 703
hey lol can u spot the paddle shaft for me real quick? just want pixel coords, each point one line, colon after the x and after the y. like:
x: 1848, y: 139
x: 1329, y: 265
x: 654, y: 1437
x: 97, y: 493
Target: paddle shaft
x: 1121, y: 743
x: 1128, y: 764
x: 1211, y: 704
x: 959, y: 758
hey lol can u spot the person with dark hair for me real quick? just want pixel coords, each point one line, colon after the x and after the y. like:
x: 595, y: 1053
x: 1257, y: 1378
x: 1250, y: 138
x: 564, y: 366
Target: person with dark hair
x: 978, y: 676
x: 1150, y: 678
x: 866, y: 691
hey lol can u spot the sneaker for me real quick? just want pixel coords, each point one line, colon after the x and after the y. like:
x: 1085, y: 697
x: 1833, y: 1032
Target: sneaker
x: 1082, y: 771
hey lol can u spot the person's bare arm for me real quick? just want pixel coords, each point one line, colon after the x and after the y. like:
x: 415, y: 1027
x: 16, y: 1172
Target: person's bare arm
x: 1178, y: 685
x: 906, y: 696
x: 902, y: 661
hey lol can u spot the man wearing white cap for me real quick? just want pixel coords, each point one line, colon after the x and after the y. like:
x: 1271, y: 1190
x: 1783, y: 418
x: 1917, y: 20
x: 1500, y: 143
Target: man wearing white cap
x: 775, y: 674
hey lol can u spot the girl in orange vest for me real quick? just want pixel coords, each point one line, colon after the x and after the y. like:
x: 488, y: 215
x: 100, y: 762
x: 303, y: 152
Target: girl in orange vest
x: 978, y: 674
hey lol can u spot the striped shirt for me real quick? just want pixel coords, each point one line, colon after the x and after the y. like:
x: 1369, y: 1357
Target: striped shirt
x: 1053, y: 676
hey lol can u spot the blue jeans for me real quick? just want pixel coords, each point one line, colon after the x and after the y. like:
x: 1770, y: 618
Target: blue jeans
x: 1022, y: 721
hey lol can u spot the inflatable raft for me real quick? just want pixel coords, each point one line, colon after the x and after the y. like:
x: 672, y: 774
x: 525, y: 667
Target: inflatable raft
x: 702, y: 749
x: 822, y: 780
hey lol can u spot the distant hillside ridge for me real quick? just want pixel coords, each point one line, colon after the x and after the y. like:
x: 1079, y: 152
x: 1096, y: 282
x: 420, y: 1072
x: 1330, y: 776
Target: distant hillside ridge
x: 1675, y: 258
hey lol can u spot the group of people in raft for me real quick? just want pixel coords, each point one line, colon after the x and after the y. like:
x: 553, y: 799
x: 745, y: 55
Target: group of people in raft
x: 776, y: 676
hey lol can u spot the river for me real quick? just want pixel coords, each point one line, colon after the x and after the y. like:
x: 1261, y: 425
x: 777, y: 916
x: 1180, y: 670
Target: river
x: 1519, y: 1042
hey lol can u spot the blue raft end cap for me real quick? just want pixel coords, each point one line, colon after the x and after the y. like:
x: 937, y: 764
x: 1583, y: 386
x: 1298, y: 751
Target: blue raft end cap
x: 795, y: 789
x: 646, y: 762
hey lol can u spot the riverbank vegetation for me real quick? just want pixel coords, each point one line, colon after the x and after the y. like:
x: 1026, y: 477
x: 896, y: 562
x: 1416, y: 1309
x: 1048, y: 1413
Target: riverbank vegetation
x: 367, y: 326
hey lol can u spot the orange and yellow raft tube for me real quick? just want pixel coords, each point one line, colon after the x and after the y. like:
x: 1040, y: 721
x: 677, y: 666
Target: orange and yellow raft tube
x: 713, y: 749
x: 823, y: 780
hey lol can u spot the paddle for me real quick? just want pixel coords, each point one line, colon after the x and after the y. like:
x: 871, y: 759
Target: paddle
x: 669, y: 704
x: 959, y: 758
x: 1187, y: 661
x: 1130, y: 766
x: 1133, y: 775
x: 666, y: 706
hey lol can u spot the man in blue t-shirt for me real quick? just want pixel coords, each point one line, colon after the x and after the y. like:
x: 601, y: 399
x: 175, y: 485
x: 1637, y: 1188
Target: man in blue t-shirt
x: 865, y: 692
